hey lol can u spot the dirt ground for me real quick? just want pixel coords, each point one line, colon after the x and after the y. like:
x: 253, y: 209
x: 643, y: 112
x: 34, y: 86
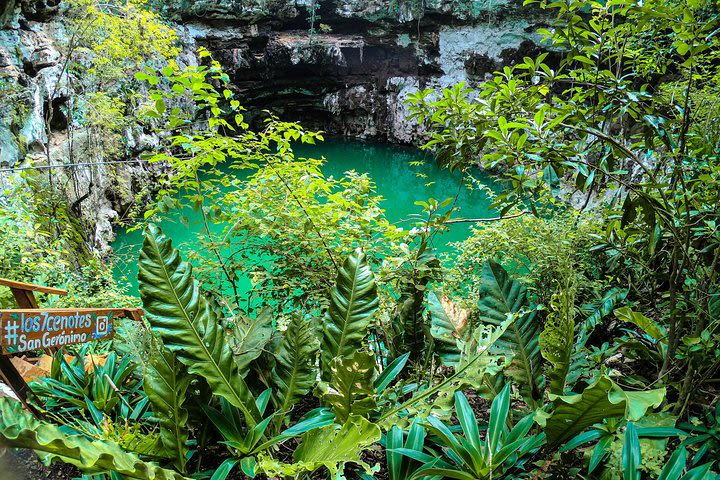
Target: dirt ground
x: 25, y: 465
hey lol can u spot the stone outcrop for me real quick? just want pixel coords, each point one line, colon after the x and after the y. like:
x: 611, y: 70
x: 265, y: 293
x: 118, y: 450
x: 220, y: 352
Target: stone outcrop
x: 32, y: 87
x: 352, y: 75
x: 346, y: 69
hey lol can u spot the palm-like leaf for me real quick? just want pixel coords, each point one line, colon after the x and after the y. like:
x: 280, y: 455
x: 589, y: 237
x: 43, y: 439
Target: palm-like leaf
x: 188, y: 327
x: 166, y: 383
x: 501, y: 297
x: 353, y: 301
x: 294, y: 372
x: 400, y: 452
x: 675, y: 466
x: 472, y: 457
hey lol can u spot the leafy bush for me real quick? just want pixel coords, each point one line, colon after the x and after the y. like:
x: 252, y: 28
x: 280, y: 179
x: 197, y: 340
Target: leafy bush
x: 37, y: 247
x: 542, y: 252
x: 603, y: 122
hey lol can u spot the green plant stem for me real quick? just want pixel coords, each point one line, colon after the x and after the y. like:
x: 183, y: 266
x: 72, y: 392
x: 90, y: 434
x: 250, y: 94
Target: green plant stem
x: 415, y: 399
x: 212, y: 245
x: 485, y: 220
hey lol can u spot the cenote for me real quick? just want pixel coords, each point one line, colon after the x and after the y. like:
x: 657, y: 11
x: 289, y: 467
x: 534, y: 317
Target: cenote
x: 403, y: 175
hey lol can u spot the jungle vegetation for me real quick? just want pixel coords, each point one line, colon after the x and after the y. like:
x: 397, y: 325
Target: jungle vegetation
x: 576, y: 335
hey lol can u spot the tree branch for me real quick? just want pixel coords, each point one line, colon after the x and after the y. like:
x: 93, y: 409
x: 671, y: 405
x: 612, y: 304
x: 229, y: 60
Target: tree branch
x: 480, y: 220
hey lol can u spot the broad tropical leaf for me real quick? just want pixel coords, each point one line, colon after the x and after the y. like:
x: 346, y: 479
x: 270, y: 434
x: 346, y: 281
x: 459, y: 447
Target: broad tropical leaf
x: 448, y: 325
x: 409, y: 324
x: 572, y: 414
x: 251, y: 335
x: 187, y: 326
x: 599, y: 310
x: 351, y: 386
x: 295, y: 371
x: 18, y: 429
x: 353, y: 301
x: 502, y: 297
x: 652, y: 328
x: 166, y: 383
x: 224, y: 469
x: 332, y: 446
x: 486, y: 364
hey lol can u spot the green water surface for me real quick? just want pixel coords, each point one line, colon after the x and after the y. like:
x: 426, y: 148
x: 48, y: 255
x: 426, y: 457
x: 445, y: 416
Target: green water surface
x: 390, y: 166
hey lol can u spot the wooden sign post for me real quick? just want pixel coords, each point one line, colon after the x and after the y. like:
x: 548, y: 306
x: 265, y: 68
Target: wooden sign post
x: 31, y: 328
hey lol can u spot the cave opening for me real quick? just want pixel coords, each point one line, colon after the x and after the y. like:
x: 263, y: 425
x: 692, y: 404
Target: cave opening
x: 56, y: 111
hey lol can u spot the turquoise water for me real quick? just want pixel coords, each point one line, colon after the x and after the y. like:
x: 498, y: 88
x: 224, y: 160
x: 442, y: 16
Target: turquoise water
x: 398, y: 181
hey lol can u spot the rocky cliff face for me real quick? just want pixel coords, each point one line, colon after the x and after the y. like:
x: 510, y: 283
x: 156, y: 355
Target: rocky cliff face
x: 349, y: 70
x: 34, y: 123
x: 345, y: 69
x: 29, y: 70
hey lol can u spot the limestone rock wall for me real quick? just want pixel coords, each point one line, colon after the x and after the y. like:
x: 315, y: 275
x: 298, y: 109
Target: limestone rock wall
x: 346, y: 69
x: 353, y: 73
x: 31, y: 85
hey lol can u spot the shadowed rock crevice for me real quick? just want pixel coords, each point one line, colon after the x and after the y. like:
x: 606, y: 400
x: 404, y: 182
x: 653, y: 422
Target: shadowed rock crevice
x: 352, y: 75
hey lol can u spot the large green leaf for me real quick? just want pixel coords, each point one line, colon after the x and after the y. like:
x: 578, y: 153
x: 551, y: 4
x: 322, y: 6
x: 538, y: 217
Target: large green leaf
x: 409, y: 323
x: 20, y: 430
x: 251, y: 335
x: 166, y: 383
x: 557, y: 338
x: 598, y: 310
x: 353, y: 301
x: 675, y: 466
x: 714, y: 305
x: 502, y: 297
x: 447, y: 327
x: 188, y: 327
x: 652, y: 328
x: 572, y: 414
x: 351, y: 388
x: 332, y: 446
x: 485, y: 374
x: 294, y: 372
x: 498, y: 417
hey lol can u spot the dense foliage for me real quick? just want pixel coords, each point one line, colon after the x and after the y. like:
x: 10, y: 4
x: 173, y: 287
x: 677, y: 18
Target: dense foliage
x: 575, y: 335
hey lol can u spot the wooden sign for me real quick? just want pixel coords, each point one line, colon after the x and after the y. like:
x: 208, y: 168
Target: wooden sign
x: 39, y: 329
x: 33, y: 328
